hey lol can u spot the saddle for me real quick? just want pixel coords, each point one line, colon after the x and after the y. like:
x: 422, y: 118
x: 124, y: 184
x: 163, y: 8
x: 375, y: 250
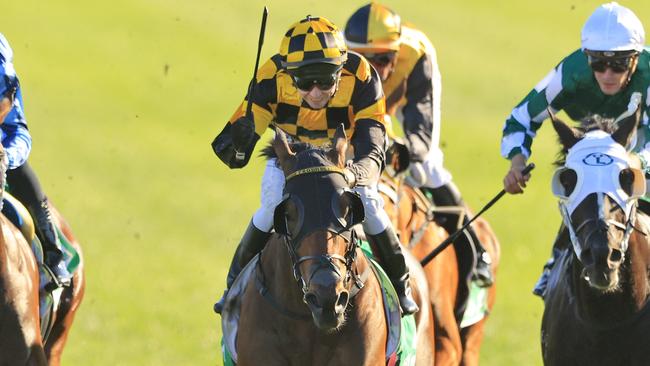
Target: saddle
x: 49, y: 292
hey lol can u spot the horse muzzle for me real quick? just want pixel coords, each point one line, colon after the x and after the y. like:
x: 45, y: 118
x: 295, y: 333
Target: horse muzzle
x: 327, y: 300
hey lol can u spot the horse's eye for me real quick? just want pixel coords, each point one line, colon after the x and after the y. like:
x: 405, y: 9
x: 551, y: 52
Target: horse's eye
x: 568, y: 179
x: 626, y: 180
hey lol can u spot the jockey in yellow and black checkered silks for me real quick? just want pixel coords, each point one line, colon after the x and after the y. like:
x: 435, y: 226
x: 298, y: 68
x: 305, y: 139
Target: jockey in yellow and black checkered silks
x: 308, y: 89
x: 406, y: 62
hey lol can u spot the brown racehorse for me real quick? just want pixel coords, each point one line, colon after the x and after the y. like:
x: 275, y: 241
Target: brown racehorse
x: 20, y: 330
x: 596, y: 306
x: 409, y: 211
x: 314, y: 300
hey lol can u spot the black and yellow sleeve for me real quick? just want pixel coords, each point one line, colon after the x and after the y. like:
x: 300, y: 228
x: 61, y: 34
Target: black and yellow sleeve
x: 263, y: 96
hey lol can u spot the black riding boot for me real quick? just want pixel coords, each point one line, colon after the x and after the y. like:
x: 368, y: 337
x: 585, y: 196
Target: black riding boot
x: 448, y: 195
x: 390, y: 254
x: 49, y: 239
x: 542, y: 282
x: 251, y: 243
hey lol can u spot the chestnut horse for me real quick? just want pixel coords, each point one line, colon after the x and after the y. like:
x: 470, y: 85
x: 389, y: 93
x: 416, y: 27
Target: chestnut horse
x: 314, y: 298
x: 596, y: 309
x: 411, y: 214
x: 21, y: 342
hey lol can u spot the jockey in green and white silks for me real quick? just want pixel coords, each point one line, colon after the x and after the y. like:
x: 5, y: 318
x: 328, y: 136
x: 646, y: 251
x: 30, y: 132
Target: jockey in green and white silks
x: 609, y: 76
x: 407, y: 64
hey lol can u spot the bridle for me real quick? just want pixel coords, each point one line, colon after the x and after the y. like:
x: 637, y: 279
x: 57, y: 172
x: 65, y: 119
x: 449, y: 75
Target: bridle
x: 353, y: 281
x: 601, y: 224
x: 326, y: 261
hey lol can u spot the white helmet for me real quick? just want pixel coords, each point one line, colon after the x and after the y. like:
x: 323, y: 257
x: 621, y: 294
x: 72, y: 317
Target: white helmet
x: 613, y: 27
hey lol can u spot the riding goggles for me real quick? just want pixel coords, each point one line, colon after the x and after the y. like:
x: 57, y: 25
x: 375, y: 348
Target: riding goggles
x: 380, y: 59
x: 618, y: 65
x: 322, y: 76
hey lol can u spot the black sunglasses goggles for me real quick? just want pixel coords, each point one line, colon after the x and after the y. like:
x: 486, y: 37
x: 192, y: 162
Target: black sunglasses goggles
x: 618, y: 64
x: 380, y: 59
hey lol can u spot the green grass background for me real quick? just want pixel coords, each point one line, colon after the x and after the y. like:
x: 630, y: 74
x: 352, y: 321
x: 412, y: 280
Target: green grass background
x: 124, y: 97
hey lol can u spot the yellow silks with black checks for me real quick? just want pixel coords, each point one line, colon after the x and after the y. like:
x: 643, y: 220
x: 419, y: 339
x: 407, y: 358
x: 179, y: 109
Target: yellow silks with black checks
x: 276, y: 101
x: 312, y: 40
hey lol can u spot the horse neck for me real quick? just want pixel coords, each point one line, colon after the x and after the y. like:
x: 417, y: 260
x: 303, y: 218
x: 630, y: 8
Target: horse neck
x: 278, y: 275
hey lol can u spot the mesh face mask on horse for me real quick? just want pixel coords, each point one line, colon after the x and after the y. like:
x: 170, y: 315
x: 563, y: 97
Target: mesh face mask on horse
x: 596, y: 304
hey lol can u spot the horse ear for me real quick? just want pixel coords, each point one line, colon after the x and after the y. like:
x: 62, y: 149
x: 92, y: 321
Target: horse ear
x: 568, y: 136
x: 626, y: 128
x: 286, y: 157
x: 340, y: 146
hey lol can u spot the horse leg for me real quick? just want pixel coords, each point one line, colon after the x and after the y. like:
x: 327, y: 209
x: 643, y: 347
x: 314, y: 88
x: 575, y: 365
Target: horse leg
x: 70, y: 301
x: 424, y: 317
x: 443, y: 287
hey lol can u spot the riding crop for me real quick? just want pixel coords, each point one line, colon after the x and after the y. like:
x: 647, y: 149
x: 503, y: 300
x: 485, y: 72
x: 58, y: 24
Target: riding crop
x: 249, y: 107
x: 457, y: 233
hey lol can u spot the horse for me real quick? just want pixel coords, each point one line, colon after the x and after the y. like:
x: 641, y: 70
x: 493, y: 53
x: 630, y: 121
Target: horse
x: 413, y: 217
x: 21, y: 339
x: 596, y: 309
x: 313, y: 297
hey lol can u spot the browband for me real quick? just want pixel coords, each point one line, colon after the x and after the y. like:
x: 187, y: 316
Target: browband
x: 316, y: 169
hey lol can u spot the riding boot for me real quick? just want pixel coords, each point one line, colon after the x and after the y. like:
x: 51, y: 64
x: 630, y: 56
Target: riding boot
x: 251, y: 243
x: 47, y: 233
x: 449, y: 195
x: 542, y: 282
x: 390, y: 254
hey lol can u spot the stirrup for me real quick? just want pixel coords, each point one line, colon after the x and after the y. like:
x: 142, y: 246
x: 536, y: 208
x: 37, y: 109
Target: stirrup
x: 58, y: 280
x: 482, y: 274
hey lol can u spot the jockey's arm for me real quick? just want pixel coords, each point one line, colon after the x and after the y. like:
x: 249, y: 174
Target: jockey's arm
x: 263, y: 94
x: 16, y: 139
x: 421, y: 122
x: 368, y: 141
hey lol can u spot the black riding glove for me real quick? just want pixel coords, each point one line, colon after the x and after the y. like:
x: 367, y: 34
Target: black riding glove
x: 242, y: 132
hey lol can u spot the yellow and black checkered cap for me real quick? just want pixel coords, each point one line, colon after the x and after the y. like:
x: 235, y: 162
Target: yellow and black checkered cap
x: 373, y: 28
x: 313, y: 40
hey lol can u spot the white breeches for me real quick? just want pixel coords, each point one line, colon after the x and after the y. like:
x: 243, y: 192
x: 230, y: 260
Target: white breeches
x: 437, y: 175
x: 273, y: 183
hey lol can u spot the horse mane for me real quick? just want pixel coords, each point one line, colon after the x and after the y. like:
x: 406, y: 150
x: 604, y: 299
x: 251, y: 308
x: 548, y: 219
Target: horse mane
x: 590, y: 123
x: 297, y: 147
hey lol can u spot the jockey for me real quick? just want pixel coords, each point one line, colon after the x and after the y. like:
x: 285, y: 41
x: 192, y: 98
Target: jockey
x: 609, y: 76
x: 21, y: 178
x: 309, y: 88
x: 406, y: 62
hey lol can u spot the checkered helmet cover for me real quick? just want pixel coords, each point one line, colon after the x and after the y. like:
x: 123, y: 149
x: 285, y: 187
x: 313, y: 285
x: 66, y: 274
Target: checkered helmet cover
x: 312, y: 40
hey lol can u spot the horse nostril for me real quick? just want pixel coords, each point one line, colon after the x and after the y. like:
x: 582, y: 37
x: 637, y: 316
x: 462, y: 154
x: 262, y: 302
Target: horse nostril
x: 311, y: 299
x: 616, y: 255
x: 343, y: 299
